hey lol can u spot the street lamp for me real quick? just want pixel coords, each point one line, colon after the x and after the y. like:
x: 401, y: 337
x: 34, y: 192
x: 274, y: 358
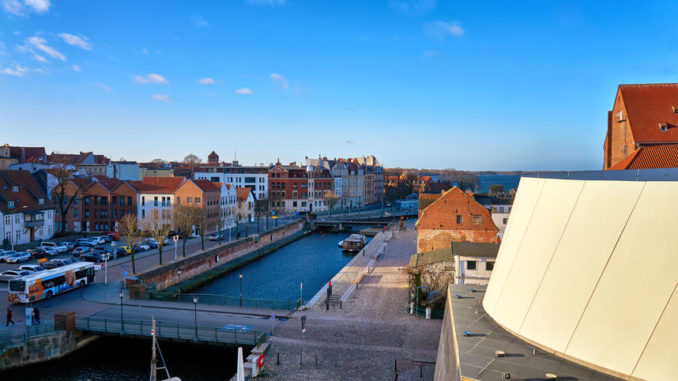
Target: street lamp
x: 179, y: 283
x: 195, y: 305
x: 122, y: 322
x: 240, y: 289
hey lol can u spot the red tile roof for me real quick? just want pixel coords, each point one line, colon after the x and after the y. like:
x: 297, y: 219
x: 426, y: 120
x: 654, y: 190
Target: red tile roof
x: 243, y: 193
x: 28, y: 154
x: 648, y: 106
x: 108, y: 182
x: 655, y: 156
x: 28, y: 193
x: 153, y: 184
x: 206, y: 185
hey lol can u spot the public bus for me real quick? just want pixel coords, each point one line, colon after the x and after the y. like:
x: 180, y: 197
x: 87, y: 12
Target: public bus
x: 45, y: 284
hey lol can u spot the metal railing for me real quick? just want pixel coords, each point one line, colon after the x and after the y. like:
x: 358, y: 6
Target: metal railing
x: 224, y: 300
x: 421, y: 311
x: 14, y: 338
x: 171, y: 331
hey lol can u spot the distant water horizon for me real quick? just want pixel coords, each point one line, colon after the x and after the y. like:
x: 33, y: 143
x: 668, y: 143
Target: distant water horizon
x: 507, y: 181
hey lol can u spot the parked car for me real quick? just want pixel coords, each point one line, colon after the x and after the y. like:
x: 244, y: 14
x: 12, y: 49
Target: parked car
x: 80, y: 250
x: 114, y: 235
x: 32, y: 268
x: 142, y: 247
x: 60, y: 248
x: 106, y: 238
x: 99, y: 240
x: 58, y: 262
x: 215, y: 237
x: 19, y: 257
x: 151, y: 242
x: 70, y: 245
x: 13, y: 274
x: 39, y: 253
x: 121, y: 252
x: 4, y: 254
x: 85, y: 242
x: 93, y: 257
x: 105, y: 250
x: 50, y: 251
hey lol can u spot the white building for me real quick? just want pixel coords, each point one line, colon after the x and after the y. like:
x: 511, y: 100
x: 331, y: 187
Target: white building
x: 473, y: 261
x: 156, y: 193
x: 245, y: 205
x: 123, y: 170
x: 26, y: 213
x: 253, y: 177
x: 228, y: 202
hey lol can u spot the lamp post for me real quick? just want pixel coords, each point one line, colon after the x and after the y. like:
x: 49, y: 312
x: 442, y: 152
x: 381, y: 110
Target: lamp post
x: 179, y: 283
x: 175, y: 238
x: 122, y: 322
x: 195, y: 305
x: 240, y: 289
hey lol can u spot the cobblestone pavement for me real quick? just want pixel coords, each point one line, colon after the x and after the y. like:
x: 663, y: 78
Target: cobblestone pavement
x: 365, y: 340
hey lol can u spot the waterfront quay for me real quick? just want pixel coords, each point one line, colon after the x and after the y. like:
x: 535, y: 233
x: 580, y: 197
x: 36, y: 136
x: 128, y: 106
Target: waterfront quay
x: 372, y: 336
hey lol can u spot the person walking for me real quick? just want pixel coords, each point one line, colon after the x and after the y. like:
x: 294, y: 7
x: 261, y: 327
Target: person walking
x: 36, y: 315
x: 9, y: 317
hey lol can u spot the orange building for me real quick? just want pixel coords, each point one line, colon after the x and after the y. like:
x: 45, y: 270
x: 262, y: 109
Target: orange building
x: 454, y: 216
x: 642, y: 127
x: 201, y: 194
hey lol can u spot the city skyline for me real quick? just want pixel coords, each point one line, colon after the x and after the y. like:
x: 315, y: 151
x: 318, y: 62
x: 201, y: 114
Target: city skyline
x: 420, y: 84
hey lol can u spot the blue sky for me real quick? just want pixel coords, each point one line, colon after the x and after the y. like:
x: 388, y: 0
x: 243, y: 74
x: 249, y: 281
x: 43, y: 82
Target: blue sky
x: 430, y: 84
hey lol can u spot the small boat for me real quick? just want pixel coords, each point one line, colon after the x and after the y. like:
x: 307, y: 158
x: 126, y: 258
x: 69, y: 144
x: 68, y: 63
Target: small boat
x: 354, y: 243
x: 340, y: 243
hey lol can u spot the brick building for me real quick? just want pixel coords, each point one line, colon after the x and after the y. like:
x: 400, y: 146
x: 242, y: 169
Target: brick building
x: 201, y: 194
x: 26, y: 213
x: 642, y: 127
x: 454, y: 216
x: 288, y: 188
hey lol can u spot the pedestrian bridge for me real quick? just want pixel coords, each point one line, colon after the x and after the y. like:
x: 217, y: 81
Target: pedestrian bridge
x: 170, y: 331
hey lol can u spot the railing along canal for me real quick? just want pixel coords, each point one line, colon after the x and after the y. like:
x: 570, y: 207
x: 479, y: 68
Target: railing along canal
x: 172, y: 331
x: 223, y: 300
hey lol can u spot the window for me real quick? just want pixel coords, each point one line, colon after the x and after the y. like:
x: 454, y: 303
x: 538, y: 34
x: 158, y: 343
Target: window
x: 460, y: 219
x: 188, y: 200
x: 96, y: 200
x: 471, y: 265
x: 197, y: 200
x: 41, y: 201
x: 476, y: 220
x: 86, y: 213
x: 489, y: 266
x: 505, y: 220
x: 143, y: 200
x: 129, y: 201
x: 114, y: 201
x: 75, y: 200
x: 143, y: 213
x: 169, y: 201
x: 155, y: 201
x: 75, y: 213
x: 10, y: 204
x: 15, y: 188
x: 104, y: 201
x: 178, y: 200
x: 7, y: 220
x: 87, y: 200
x: 163, y: 201
x: 294, y: 204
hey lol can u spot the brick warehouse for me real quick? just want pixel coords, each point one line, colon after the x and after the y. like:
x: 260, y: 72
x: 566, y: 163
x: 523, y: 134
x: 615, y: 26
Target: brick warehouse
x: 455, y: 216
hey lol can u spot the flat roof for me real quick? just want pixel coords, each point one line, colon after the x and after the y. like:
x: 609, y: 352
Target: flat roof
x: 477, y: 351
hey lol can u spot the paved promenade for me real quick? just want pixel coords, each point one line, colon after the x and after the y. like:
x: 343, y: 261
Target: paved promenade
x: 367, y: 337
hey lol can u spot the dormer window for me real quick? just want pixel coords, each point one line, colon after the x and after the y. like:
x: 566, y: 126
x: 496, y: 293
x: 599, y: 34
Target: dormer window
x: 10, y: 204
x: 15, y: 188
x: 663, y: 127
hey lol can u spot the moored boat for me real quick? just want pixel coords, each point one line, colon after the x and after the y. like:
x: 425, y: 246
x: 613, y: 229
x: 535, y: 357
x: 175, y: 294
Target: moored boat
x: 354, y: 243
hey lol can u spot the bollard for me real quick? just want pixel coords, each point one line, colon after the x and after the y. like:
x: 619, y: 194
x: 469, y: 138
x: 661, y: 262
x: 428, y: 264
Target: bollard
x: 411, y: 308
x: 278, y: 358
x: 421, y: 371
x: 340, y: 304
x: 316, y: 360
x: 428, y: 313
x: 301, y: 356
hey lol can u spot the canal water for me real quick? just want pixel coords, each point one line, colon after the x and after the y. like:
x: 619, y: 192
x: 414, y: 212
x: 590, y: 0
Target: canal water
x: 313, y: 260
x: 112, y: 358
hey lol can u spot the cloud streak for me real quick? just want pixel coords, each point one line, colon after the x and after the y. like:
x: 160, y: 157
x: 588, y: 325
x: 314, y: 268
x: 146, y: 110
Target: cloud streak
x: 151, y: 78
x: 71, y: 39
x: 206, y: 81
x: 244, y: 91
x: 279, y: 79
x: 21, y: 8
x: 18, y: 70
x: 412, y: 7
x: 161, y: 97
x: 40, y: 43
x: 200, y: 22
x: 271, y: 3
x: 440, y: 30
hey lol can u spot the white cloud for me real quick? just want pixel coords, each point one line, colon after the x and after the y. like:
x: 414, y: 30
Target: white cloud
x: 161, y: 97
x: 199, y: 21
x: 103, y: 87
x: 40, y: 58
x: 144, y: 51
x: 441, y: 29
x: 206, y: 81
x: 267, y: 2
x: 244, y: 91
x: 416, y: 7
x: 76, y: 68
x: 71, y: 39
x: 151, y: 78
x: 21, y: 8
x: 277, y: 78
x: 18, y: 70
x: 41, y: 44
x: 38, y: 6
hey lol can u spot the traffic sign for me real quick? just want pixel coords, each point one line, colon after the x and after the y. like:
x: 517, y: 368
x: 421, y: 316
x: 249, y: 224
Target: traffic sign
x: 124, y: 274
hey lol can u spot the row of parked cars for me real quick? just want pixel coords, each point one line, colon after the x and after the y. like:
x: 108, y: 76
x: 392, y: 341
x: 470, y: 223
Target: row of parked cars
x: 24, y: 270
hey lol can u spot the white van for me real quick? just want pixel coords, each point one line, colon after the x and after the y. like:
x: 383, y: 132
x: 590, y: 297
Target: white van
x: 60, y: 248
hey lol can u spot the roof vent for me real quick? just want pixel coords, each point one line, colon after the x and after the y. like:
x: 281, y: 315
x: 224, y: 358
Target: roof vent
x: 663, y: 127
x: 499, y: 353
x: 551, y: 376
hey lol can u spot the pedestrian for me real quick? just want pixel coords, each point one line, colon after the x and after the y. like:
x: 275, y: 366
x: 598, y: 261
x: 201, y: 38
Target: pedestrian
x: 36, y: 314
x: 9, y: 318
x: 33, y: 316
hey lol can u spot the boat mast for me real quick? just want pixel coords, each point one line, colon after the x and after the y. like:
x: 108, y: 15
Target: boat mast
x: 153, y: 360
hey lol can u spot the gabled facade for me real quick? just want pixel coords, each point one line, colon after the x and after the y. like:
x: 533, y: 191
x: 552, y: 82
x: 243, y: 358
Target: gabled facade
x: 228, y: 204
x: 455, y: 216
x: 642, y: 127
x: 156, y: 193
x: 204, y: 195
x: 26, y: 213
x: 245, y: 204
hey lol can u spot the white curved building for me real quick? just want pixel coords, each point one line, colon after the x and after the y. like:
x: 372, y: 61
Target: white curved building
x: 588, y: 270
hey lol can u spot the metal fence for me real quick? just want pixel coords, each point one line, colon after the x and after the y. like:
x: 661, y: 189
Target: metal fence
x: 223, y: 300
x: 171, y: 331
x: 14, y: 338
x: 421, y: 311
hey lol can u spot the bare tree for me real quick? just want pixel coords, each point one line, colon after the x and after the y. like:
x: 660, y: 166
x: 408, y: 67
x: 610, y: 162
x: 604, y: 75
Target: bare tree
x: 158, y: 161
x: 466, y: 180
x: 130, y: 235
x: 202, y: 221
x: 184, y: 217
x: 159, y: 227
x: 331, y: 199
x: 192, y: 161
x: 65, y: 191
